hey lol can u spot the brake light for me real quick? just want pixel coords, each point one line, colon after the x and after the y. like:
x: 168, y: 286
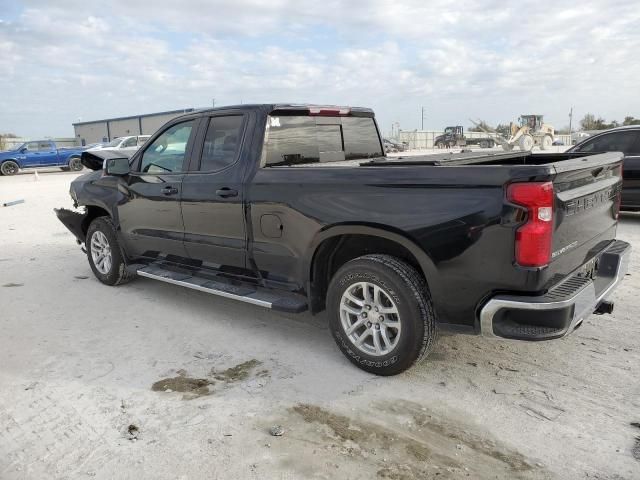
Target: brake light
x: 329, y: 111
x: 533, y: 239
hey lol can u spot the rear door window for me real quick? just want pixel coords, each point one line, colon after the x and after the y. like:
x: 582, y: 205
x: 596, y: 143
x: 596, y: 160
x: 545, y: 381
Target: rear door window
x: 129, y: 142
x: 294, y: 140
x: 627, y: 142
x: 221, y: 142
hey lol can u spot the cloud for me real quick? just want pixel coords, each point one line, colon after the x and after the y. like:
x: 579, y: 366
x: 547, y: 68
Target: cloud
x: 490, y: 60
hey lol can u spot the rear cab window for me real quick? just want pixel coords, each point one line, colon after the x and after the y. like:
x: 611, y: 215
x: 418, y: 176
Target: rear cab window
x: 299, y: 139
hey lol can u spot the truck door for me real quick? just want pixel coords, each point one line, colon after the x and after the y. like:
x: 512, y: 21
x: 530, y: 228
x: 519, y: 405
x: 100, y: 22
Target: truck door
x: 47, y: 154
x: 212, y: 194
x: 150, y: 218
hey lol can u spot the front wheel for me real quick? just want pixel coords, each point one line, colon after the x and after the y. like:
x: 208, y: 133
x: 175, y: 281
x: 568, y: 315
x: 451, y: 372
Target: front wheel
x: 9, y: 168
x: 526, y: 143
x: 547, y: 142
x: 380, y: 314
x: 104, y: 253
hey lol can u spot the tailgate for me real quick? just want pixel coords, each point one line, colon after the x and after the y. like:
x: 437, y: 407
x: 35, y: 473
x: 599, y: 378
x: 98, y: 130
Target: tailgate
x: 587, y: 191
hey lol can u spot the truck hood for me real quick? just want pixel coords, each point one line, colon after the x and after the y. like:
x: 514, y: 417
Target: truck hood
x: 9, y: 154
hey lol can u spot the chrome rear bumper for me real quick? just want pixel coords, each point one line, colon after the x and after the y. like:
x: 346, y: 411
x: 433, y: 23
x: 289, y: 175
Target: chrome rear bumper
x: 562, y: 309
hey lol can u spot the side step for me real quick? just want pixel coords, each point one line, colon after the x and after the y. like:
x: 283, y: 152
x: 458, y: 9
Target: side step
x: 224, y: 287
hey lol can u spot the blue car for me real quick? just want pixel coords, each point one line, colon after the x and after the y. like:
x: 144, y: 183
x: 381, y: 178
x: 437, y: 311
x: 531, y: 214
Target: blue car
x: 41, y: 153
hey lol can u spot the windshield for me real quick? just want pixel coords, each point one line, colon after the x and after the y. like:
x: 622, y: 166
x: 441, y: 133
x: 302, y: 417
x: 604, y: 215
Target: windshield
x: 296, y: 140
x: 114, y: 143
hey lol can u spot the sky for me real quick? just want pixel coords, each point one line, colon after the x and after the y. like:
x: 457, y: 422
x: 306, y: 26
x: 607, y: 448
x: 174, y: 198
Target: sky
x: 76, y: 60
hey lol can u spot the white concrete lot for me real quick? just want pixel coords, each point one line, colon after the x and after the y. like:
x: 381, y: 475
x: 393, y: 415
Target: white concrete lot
x: 78, y: 360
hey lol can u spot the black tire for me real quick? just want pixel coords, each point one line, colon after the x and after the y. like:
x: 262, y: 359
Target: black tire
x: 484, y: 144
x: 75, y: 165
x: 9, y: 168
x: 117, y: 274
x: 439, y: 144
x: 408, y: 290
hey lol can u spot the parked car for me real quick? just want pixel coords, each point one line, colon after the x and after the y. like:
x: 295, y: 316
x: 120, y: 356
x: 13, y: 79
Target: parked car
x: 127, y: 145
x: 558, y: 143
x: 621, y: 139
x: 40, y: 153
x: 297, y: 208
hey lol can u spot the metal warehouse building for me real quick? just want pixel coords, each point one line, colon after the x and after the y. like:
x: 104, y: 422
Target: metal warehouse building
x: 110, y: 128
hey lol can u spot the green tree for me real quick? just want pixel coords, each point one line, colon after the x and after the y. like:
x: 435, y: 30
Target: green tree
x: 590, y: 122
x: 628, y: 120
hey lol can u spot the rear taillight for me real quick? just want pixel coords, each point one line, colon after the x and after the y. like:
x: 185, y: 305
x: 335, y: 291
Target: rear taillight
x: 533, y: 239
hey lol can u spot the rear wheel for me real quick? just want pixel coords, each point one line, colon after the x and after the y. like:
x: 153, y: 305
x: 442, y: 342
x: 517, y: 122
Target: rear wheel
x: 9, y: 168
x: 439, y: 144
x: 104, y: 253
x: 75, y: 165
x: 380, y: 314
x: 484, y: 144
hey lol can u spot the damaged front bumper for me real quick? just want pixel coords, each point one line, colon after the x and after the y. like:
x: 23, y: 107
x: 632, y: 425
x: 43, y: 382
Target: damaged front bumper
x: 74, y: 221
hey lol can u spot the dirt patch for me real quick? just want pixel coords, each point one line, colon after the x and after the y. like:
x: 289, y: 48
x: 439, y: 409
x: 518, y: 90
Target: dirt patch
x: 404, y: 472
x: 425, y: 421
x: 238, y: 373
x: 194, y: 387
x: 9, y: 285
x: 343, y: 427
x: 416, y: 445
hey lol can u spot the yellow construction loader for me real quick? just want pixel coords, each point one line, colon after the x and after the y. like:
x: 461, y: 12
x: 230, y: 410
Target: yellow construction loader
x: 530, y: 131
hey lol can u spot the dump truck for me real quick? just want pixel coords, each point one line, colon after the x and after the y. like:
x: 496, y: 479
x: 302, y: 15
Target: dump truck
x: 455, y: 137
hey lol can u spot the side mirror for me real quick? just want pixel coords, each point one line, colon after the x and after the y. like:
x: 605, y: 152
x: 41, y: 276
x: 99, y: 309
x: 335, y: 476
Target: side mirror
x: 117, y: 166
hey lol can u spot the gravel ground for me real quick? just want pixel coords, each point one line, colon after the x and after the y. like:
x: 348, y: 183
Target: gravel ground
x: 148, y: 380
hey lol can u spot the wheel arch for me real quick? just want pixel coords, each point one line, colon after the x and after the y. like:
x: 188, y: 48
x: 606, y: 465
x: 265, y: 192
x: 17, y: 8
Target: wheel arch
x: 336, y: 245
x: 93, y: 212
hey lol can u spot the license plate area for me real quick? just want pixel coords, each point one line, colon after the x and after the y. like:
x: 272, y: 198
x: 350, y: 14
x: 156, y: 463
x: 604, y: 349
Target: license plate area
x: 589, y: 269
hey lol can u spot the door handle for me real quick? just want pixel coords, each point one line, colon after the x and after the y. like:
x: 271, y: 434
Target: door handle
x: 226, y: 192
x: 169, y: 190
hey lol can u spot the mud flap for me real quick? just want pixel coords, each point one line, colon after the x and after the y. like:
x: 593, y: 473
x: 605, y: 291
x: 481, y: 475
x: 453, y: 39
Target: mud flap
x: 73, y: 221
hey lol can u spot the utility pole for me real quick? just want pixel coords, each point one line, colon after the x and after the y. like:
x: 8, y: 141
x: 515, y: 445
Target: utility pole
x: 570, y: 122
x: 213, y: 103
x: 422, y: 124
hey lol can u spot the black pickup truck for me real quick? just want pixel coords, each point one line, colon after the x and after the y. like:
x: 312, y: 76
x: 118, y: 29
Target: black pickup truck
x: 296, y: 207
